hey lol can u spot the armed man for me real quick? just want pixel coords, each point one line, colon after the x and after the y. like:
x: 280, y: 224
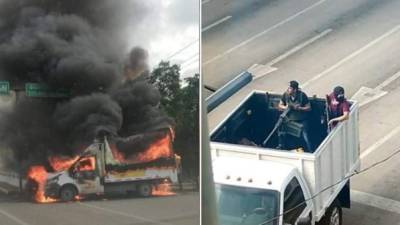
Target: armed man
x: 339, y: 107
x: 298, y: 105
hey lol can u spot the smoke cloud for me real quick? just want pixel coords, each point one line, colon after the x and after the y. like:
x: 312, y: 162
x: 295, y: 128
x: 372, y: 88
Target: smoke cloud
x: 78, y: 46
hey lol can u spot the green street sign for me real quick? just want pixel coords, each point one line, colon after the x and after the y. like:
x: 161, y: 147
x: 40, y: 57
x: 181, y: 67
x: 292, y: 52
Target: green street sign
x: 4, y: 88
x: 39, y: 90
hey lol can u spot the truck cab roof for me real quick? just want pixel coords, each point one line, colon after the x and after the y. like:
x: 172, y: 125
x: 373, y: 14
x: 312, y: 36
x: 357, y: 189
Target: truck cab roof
x: 252, y: 173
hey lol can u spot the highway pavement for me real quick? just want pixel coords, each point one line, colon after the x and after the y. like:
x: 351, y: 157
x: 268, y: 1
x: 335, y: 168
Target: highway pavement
x: 323, y: 44
x: 182, y: 209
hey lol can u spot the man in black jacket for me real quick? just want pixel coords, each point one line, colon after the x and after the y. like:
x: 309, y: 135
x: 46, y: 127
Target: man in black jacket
x: 299, y: 106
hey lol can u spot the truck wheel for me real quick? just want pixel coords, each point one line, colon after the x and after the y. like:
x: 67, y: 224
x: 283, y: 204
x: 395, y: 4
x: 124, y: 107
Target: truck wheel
x: 333, y: 215
x: 145, y: 189
x: 68, y: 193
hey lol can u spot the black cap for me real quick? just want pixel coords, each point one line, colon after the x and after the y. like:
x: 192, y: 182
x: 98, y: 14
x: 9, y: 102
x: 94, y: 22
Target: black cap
x: 338, y: 91
x: 294, y: 84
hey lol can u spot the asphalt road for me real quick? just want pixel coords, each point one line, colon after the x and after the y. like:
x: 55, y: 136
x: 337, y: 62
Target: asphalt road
x: 182, y: 209
x: 323, y: 44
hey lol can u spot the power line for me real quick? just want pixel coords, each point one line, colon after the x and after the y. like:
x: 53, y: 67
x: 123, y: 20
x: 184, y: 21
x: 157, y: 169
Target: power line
x: 191, y: 58
x: 182, y: 49
x: 329, y: 187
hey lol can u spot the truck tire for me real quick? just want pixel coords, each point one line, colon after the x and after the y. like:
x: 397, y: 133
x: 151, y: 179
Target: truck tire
x: 145, y: 189
x: 68, y: 193
x: 333, y: 215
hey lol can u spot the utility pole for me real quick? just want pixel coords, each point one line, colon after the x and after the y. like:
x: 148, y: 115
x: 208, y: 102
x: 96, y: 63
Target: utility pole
x: 208, y: 200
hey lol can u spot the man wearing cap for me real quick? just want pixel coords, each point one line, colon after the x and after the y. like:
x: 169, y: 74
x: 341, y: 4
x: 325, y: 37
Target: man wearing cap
x: 339, y: 107
x: 299, y: 105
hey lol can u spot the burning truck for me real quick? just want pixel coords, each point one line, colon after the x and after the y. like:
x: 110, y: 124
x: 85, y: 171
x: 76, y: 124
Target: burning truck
x: 80, y: 86
x: 102, y: 169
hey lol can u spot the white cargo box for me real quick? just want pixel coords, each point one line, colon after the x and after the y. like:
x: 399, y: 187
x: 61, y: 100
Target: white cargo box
x: 335, y: 158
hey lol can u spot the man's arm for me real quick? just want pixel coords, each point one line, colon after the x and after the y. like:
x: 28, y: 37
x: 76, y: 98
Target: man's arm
x: 282, y: 103
x: 282, y: 106
x: 342, y: 118
x: 345, y: 116
x: 305, y: 108
x: 305, y: 104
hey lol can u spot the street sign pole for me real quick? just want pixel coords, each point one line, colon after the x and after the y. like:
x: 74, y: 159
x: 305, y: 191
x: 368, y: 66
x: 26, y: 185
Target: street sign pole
x: 4, y: 88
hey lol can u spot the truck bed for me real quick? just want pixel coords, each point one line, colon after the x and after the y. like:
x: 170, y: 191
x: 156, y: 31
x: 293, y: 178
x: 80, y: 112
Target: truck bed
x: 150, y: 174
x: 335, y: 157
x: 158, y: 169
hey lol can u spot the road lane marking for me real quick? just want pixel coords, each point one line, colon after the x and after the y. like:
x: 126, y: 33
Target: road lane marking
x: 289, y: 53
x: 249, y: 40
x: 380, y: 142
x: 12, y: 217
x: 389, y: 81
x: 299, y: 47
x: 366, y: 95
x: 258, y: 71
x: 378, y: 94
x: 144, y: 219
x: 353, y: 55
x: 216, y: 23
x: 376, y: 201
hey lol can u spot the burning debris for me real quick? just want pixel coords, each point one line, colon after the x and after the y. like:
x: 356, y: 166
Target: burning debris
x: 39, y: 175
x: 162, y: 190
x: 76, y: 46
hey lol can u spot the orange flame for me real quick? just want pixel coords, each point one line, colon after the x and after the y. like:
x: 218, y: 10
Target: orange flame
x: 39, y: 174
x: 159, y: 149
x: 59, y: 164
x: 87, y: 164
x: 162, y: 148
x: 163, y: 189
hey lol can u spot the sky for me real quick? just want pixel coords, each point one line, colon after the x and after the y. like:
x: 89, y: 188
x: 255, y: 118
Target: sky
x: 170, y: 32
x: 168, y: 29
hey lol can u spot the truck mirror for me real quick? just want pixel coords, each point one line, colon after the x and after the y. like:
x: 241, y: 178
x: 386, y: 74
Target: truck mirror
x: 304, y: 221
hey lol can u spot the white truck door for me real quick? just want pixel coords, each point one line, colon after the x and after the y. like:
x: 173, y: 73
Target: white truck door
x: 294, y: 205
x: 86, y: 175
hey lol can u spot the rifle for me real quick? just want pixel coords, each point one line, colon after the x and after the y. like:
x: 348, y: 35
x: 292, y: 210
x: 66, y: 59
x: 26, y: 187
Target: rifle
x: 328, y: 113
x: 277, y: 125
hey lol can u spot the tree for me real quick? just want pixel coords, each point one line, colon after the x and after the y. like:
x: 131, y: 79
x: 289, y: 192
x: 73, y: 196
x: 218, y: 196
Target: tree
x: 166, y: 78
x: 181, y: 102
x: 187, y: 121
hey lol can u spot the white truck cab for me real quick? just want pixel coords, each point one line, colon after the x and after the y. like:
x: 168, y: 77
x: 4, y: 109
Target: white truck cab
x: 270, y: 193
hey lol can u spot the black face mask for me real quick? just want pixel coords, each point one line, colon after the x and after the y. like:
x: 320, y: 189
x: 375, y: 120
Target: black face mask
x: 340, y: 98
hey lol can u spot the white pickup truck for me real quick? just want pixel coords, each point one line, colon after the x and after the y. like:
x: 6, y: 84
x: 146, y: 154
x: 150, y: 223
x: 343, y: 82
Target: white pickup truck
x: 258, y: 184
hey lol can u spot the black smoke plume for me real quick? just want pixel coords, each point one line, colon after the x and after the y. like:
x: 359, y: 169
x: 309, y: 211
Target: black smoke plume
x: 78, y: 46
